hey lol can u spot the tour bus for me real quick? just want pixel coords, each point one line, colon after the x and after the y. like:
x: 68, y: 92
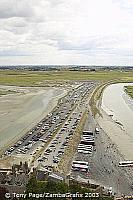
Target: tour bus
x: 80, y: 162
x: 88, y: 133
x: 86, y: 148
x: 86, y: 138
x: 80, y: 166
x: 85, y: 151
x: 87, y: 142
x: 126, y: 164
x: 85, y: 145
x: 90, y: 136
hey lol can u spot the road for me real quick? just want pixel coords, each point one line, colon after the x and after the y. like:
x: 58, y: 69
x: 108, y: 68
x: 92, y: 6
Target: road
x: 52, y: 134
x: 39, y: 136
x: 56, y: 148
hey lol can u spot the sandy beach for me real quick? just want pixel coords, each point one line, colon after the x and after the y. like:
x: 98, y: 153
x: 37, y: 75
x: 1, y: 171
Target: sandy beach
x: 117, y: 132
x: 21, y: 111
x: 117, y: 135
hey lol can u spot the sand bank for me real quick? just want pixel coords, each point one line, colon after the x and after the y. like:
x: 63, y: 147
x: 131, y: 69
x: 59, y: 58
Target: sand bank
x: 122, y: 137
x: 117, y: 135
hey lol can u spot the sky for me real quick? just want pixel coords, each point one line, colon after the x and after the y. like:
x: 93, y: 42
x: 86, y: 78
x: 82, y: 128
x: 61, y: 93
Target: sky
x: 77, y: 32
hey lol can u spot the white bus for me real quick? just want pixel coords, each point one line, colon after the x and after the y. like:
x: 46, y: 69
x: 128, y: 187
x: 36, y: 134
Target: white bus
x: 85, y: 147
x: 85, y: 151
x: 88, y: 140
x: 89, y: 151
x: 80, y: 166
x: 90, y: 137
x: 80, y: 162
x: 126, y: 164
x: 87, y: 133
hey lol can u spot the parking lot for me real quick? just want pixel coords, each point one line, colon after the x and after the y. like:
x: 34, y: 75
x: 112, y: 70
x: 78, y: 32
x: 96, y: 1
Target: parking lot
x: 103, y: 163
x: 56, y: 148
x: 62, y: 122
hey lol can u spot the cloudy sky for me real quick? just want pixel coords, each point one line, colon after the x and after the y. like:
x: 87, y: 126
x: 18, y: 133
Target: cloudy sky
x: 66, y: 32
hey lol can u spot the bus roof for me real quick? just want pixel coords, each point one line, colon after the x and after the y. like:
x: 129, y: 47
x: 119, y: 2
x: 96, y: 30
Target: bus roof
x: 126, y: 161
x: 80, y: 166
x: 85, y: 145
x: 80, y: 162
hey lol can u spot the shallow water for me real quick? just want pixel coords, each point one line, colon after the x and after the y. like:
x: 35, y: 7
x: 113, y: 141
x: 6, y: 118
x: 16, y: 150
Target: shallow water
x: 117, y: 103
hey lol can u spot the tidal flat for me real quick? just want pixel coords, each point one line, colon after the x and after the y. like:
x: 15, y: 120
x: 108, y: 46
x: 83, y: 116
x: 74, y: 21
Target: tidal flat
x: 22, y: 109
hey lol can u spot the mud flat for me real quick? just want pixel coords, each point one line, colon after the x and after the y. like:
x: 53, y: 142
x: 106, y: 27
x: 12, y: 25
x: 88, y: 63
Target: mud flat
x: 21, y: 110
x: 116, y: 108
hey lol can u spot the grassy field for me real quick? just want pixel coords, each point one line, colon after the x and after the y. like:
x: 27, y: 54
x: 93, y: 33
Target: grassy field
x: 129, y: 90
x: 28, y: 78
x: 51, y: 78
x: 2, y: 92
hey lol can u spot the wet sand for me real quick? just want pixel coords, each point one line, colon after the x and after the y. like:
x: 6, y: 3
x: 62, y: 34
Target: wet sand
x: 117, y: 133
x: 21, y: 111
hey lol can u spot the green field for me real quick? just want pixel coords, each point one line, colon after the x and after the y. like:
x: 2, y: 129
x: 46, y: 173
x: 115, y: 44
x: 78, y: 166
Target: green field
x: 28, y: 78
x: 6, y: 92
x: 52, y: 78
x: 129, y: 90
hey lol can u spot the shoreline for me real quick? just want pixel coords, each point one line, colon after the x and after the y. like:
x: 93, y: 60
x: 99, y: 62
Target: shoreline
x: 28, y: 118
x: 115, y: 131
x: 129, y: 91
